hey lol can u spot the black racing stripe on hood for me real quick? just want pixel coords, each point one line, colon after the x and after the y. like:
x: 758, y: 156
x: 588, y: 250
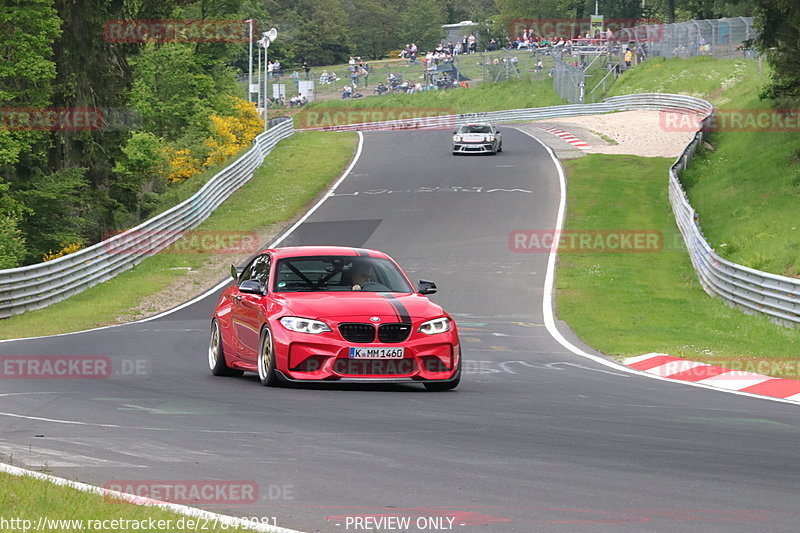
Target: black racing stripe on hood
x: 399, y: 308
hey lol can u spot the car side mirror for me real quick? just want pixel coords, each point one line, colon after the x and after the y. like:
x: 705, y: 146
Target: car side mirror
x: 455, y: 131
x: 235, y: 271
x: 251, y: 286
x: 426, y: 287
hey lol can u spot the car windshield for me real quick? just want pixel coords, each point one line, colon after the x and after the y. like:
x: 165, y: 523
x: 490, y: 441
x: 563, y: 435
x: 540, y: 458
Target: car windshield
x: 339, y: 273
x: 476, y: 128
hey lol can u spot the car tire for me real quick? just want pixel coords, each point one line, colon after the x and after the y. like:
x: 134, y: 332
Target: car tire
x: 441, y: 386
x: 266, y: 360
x: 216, y: 356
x: 500, y: 148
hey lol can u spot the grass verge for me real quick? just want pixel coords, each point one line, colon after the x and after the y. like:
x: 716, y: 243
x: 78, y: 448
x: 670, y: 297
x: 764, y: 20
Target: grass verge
x: 627, y: 304
x: 290, y: 178
x: 39, y: 505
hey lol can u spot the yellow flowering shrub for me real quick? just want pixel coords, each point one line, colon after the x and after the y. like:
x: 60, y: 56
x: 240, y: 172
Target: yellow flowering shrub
x: 229, y: 134
x: 182, y: 165
x: 66, y: 249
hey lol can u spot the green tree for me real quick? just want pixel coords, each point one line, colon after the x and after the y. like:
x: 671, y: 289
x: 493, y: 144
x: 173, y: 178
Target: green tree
x: 176, y: 89
x: 374, y: 27
x: 142, y: 168
x: 422, y: 23
x: 27, y: 31
x: 12, y: 242
x: 779, y: 39
x: 55, y: 205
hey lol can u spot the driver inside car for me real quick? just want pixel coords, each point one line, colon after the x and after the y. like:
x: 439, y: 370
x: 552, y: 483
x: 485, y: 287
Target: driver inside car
x: 363, y: 278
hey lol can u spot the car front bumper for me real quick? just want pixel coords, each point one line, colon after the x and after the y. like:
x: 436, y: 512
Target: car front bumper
x: 473, y: 148
x: 425, y: 358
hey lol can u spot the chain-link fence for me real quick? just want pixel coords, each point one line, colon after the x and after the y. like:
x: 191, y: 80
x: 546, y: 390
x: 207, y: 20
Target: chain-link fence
x: 724, y: 37
x: 582, y: 77
x: 569, y: 79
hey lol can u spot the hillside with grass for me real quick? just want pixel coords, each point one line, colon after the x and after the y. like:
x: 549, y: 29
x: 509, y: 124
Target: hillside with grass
x: 746, y: 184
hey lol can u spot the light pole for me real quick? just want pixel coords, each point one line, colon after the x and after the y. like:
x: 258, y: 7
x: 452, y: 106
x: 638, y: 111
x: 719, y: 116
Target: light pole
x: 258, y: 98
x: 250, y: 70
x: 266, y: 38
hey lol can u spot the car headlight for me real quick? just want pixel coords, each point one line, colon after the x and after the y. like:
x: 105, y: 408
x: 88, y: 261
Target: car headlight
x: 437, y: 325
x: 456, y: 138
x: 489, y: 138
x: 304, y: 325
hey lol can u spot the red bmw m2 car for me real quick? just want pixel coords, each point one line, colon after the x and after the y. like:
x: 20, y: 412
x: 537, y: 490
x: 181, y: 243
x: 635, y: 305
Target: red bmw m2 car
x: 328, y: 313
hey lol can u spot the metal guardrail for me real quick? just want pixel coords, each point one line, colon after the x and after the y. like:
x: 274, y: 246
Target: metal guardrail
x: 37, y: 286
x: 751, y: 290
x: 617, y: 103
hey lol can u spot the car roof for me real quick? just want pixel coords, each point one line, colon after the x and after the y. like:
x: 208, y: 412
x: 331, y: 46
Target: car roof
x: 310, y: 251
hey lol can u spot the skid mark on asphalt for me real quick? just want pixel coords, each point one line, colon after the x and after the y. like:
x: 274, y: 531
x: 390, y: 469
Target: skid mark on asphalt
x: 39, y: 457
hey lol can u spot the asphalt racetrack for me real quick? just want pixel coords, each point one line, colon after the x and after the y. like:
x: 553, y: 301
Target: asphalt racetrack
x: 535, y: 438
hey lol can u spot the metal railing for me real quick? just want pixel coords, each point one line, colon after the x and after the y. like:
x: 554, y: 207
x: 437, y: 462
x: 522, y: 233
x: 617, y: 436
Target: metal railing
x: 37, y: 286
x: 751, y: 290
x: 617, y: 103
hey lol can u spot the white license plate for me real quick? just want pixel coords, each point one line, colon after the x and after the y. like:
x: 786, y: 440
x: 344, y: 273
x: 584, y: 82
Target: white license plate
x: 366, y: 352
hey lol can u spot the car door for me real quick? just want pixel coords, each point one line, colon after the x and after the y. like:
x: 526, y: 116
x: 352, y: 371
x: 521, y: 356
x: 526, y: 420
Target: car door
x: 248, y: 314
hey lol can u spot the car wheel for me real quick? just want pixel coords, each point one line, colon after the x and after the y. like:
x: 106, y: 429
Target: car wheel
x: 441, y: 386
x: 216, y: 357
x: 266, y: 360
x: 500, y: 147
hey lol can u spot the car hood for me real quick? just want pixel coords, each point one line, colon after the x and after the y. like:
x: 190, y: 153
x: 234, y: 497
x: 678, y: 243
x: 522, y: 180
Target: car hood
x: 360, y: 306
x: 473, y: 137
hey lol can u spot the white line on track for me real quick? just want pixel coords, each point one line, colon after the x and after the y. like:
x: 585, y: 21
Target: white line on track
x: 547, y: 298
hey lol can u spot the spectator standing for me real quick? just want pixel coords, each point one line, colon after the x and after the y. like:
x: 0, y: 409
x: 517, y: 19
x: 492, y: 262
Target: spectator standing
x: 628, y: 58
x: 472, y: 43
x: 296, y: 80
x: 307, y: 69
x: 365, y: 73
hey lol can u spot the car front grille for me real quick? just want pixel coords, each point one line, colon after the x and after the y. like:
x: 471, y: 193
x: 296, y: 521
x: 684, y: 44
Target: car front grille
x: 356, y: 332
x: 378, y: 367
x: 394, y: 332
